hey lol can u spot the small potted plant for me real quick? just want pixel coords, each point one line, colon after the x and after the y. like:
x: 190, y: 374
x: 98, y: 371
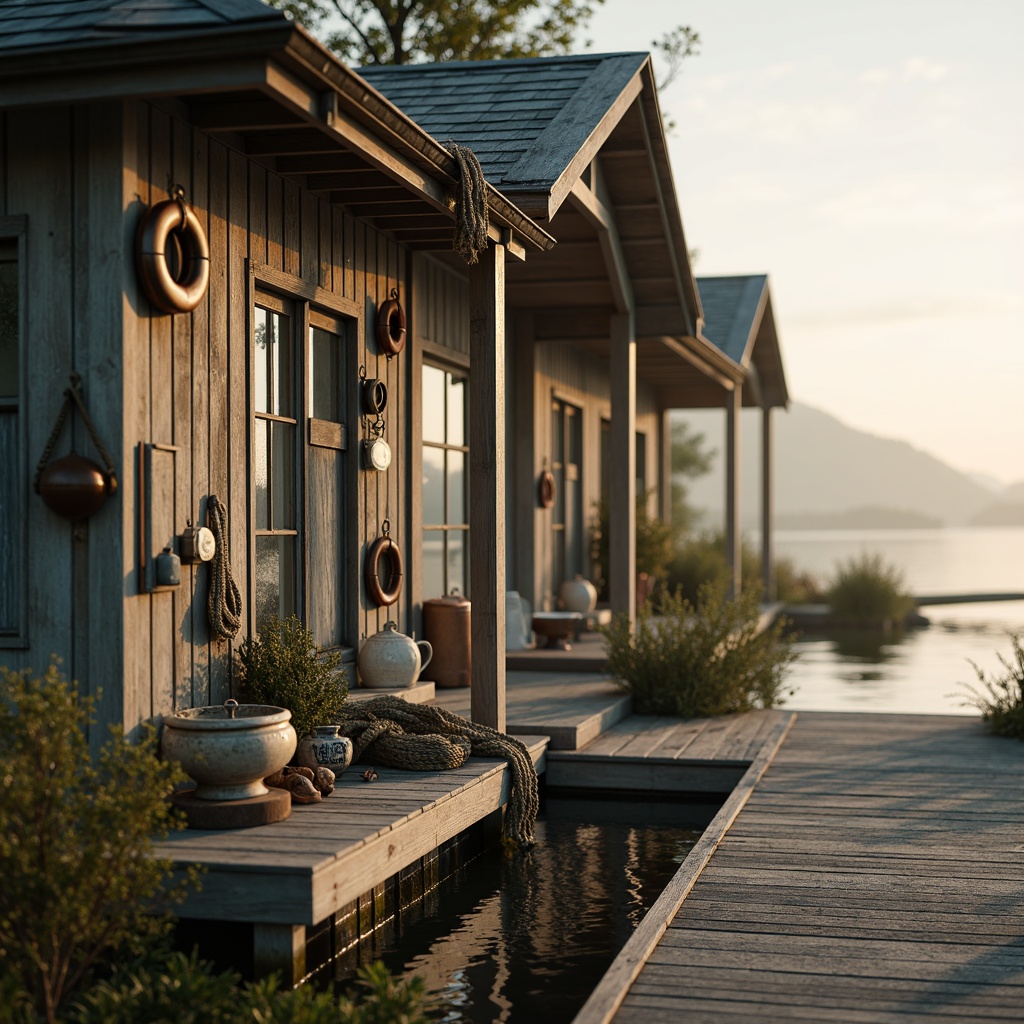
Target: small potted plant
x: 283, y: 666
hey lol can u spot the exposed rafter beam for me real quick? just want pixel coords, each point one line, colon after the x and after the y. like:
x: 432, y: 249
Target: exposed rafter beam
x: 603, y: 220
x: 241, y: 116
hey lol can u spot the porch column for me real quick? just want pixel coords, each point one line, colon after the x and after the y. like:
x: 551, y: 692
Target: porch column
x: 622, y: 493
x: 733, y: 549
x: 528, y: 515
x: 768, y: 503
x: 665, y: 472
x: 487, y: 486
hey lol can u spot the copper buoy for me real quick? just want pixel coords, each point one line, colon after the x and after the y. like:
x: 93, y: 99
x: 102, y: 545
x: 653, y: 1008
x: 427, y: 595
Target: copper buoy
x: 446, y: 625
x: 74, y: 487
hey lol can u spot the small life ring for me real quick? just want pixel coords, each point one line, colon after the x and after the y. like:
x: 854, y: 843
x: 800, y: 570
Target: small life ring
x: 391, y: 325
x: 172, y: 293
x: 379, y: 593
x: 546, y: 489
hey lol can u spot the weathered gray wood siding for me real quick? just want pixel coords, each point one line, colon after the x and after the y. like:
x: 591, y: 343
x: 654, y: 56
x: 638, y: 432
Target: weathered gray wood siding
x: 562, y: 371
x: 84, y: 176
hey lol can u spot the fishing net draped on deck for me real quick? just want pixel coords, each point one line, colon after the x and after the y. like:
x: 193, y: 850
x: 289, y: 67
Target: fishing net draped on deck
x: 419, y: 737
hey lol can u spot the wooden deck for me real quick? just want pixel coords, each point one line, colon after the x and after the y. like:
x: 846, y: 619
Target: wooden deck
x: 872, y: 873
x: 293, y: 873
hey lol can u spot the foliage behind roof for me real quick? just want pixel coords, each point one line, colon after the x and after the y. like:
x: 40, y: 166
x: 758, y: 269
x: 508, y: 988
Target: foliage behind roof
x: 524, y: 119
x: 51, y: 24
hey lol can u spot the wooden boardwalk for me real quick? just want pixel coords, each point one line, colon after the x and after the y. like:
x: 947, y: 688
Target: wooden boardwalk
x: 873, y: 873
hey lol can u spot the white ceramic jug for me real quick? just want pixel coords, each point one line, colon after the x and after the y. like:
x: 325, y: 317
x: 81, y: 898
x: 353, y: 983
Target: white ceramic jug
x: 391, y: 660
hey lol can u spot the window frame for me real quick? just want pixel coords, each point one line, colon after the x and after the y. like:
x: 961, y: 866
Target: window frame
x: 308, y: 303
x: 13, y: 236
x: 449, y: 369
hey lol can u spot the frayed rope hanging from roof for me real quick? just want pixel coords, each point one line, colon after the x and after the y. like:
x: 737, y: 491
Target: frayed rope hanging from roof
x: 470, y: 205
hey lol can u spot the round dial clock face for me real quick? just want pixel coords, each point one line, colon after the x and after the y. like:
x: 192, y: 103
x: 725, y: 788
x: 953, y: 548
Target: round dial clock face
x: 378, y: 454
x: 206, y: 544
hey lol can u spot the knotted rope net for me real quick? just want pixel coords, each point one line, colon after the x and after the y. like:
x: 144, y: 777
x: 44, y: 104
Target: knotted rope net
x: 224, y: 602
x: 420, y: 737
x: 470, y: 205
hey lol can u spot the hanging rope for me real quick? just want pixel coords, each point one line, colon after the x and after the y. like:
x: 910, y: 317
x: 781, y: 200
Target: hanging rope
x: 421, y: 737
x: 470, y: 205
x: 73, y: 397
x: 224, y: 602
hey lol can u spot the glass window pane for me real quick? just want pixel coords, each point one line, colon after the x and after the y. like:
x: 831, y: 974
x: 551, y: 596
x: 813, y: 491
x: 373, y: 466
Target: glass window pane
x: 275, y: 578
x: 283, y: 476
x: 433, y: 486
x: 262, y: 341
x: 261, y: 473
x: 457, y: 568
x: 10, y: 555
x: 326, y: 384
x: 281, y: 354
x: 433, y: 564
x: 557, y: 433
x: 433, y: 404
x: 8, y: 328
x: 457, y: 487
x: 575, y: 439
x: 456, y: 409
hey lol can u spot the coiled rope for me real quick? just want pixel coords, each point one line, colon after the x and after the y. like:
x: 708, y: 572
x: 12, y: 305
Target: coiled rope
x: 421, y: 737
x: 470, y: 205
x: 224, y: 602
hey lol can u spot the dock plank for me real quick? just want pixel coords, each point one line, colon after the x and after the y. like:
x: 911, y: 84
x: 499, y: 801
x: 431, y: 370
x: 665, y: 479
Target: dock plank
x: 876, y: 873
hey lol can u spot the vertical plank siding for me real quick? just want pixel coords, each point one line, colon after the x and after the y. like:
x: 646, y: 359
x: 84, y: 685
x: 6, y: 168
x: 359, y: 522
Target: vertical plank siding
x: 84, y: 176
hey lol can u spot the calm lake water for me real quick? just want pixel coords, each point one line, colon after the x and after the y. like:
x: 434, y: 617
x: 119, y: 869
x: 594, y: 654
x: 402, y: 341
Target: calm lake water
x: 920, y: 671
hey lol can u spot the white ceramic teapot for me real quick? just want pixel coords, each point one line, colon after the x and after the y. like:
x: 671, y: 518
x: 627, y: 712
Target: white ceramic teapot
x: 391, y: 660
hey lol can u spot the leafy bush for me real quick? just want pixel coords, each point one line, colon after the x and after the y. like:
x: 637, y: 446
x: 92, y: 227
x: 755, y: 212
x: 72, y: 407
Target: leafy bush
x: 175, y: 989
x: 1001, y: 699
x: 284, y: 667
x: 700, y: 660
x: 79, y: 883
x: 701, y: 559
x: 654, y: 541
x: 866, y: 591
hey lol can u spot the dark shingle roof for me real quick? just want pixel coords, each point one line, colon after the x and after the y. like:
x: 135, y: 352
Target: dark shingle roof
x: 730, y: 306
x: 524, y: 119
x: 55, y: 24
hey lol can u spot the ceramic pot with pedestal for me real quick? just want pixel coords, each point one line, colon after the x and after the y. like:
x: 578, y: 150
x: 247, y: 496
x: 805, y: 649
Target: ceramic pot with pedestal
x: 391, y: 660
x: 577, y: 595
x: 230, y: 749
x: 325, y: 749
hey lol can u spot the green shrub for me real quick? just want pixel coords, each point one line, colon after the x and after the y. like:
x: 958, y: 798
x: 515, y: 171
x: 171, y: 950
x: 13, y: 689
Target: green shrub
x: 1001, y: 699
x: 700, y: 660
x: 284, y: 667
x: 176, y: 989
x: 654, y: 543
x: 866, y: 591
x: 78, y: 882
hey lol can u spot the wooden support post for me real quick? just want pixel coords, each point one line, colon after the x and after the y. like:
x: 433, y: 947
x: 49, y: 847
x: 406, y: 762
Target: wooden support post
x: 525, y: 468
x: 768, y: 503
x: 665, y: 464
x: 733, y: 540
x: 622, y: 493
x: 281, y: 948
x: 487, y: 486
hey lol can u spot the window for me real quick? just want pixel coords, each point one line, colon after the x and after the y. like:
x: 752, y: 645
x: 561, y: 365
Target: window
x: 12, y: 548
x: 299, y: 380
x: 567, y: 513
x: 445, y: 482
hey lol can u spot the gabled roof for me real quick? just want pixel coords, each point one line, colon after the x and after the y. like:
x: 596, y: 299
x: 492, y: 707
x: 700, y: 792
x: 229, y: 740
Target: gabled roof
x: 47, y: 24
x: 738, y: 319
x: 524, y: 119
x: 245, y: 70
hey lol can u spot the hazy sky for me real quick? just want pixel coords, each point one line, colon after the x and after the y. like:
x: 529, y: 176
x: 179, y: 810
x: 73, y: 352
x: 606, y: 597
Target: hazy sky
x: 870, y: 157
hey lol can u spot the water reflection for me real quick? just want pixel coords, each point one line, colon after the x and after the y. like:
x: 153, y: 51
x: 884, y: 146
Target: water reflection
x: 527, y: 937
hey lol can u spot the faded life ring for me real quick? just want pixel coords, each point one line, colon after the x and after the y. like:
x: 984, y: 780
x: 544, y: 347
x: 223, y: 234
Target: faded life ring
x: 546, y: 489
x: 169, y: 292
x: 383, y: 549
x: 391, y: 325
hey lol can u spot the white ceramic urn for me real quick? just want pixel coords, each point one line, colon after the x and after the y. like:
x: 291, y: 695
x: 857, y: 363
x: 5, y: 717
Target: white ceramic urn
x: 391, y: 660
x: 577, y: 595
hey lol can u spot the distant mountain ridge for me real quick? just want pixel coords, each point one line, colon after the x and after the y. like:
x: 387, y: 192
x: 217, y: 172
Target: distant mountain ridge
x: 827, y: 473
